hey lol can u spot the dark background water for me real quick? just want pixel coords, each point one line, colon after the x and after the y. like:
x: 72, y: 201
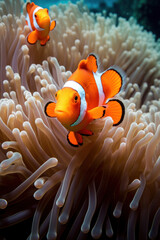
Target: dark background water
x: 146, y: 12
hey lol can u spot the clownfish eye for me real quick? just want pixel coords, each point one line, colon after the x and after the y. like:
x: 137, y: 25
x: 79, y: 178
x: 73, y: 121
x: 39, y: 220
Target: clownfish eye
x: 57, y: 94
x: 75, y: 98
x: 35, y: 15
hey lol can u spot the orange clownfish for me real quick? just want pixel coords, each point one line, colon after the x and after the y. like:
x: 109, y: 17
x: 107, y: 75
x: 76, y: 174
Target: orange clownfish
x: 39, y: 23
x: 86, y: 96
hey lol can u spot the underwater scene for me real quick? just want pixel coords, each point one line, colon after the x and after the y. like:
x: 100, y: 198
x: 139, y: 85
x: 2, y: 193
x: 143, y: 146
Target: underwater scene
x: 80, y: 120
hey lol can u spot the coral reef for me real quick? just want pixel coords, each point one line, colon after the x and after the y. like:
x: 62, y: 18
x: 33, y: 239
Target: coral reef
x: 109, y: 187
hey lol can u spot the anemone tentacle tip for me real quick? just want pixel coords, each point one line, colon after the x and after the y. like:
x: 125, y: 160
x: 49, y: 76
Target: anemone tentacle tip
x: 3, y: 203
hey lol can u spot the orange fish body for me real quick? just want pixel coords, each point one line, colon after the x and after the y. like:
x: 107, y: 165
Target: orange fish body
x: 87, y: 95
x: 39, y: 23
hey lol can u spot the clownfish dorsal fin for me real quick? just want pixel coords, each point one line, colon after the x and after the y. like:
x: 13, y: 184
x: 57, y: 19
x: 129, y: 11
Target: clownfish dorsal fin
x: 29, y: 6
x: 90, y: 64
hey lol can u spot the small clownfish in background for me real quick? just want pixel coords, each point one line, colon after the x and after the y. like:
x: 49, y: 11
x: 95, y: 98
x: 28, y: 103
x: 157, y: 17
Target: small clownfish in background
x: 86, y: 96
x: 39, y: 23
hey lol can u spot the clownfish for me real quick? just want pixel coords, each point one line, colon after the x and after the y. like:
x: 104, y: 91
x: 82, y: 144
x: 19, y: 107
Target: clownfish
x: 87, y: 95
x: 39, y: 23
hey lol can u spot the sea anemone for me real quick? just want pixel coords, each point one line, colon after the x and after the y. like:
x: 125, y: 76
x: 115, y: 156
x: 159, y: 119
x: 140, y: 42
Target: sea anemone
x: 107, y: 188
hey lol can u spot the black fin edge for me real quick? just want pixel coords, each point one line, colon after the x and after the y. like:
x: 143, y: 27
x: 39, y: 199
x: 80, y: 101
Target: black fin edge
x: 71, y: 143
x: 121, y: 73
x: 94, y: 55
x: 46, y: 108
x: 104, y: 111
x: 123, y: 110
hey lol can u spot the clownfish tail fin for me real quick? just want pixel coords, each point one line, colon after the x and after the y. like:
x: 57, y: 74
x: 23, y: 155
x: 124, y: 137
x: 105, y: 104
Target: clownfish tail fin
x: 116, y: 110
x: 49, y: 109
x: 112, y: 81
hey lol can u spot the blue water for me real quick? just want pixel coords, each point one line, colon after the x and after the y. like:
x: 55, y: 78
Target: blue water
x: 48, y: 3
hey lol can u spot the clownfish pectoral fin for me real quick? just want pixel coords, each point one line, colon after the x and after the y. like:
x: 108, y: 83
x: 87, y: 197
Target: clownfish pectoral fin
x: 90, y: 64
x: 29, y: 6
x: 53, y: 25
x: 32, y: 37
x: 112, y: 80
x: 116, y: 110
x: 74, y: 139
x: 97, y: 112
x: 49, y: 109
